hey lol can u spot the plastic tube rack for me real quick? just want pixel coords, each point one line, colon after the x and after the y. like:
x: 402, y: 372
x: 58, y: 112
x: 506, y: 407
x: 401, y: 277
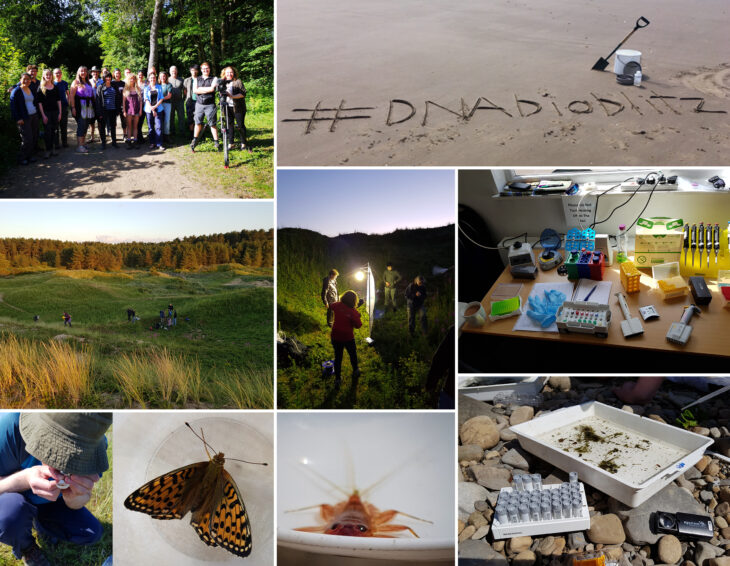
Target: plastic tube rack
x: 525, y: 510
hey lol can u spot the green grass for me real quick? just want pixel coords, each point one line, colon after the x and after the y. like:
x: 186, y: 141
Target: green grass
x: 394, y: 368
x: 250, y: 175
x: 65, y: 553
x: 226, y: 342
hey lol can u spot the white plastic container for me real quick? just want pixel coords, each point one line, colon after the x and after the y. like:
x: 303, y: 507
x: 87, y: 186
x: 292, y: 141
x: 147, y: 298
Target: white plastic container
x: 673, y: 450
x: 624, y: 56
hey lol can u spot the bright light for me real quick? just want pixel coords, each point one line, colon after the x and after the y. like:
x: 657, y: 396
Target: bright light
x: 360, y: 275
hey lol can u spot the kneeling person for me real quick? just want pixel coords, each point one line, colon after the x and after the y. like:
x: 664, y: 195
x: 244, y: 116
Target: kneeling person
x: 49, y: 465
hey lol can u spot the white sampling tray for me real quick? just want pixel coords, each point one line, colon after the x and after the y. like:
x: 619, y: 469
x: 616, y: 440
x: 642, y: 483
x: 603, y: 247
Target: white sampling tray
x: 486, y: 388
x: 623, y: 455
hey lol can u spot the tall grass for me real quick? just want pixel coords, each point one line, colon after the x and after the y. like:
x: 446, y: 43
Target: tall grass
x: 158, y: 378
x: 43, y: 374
x: 248, y: 389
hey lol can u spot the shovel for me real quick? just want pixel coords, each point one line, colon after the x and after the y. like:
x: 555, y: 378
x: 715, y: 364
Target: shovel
x: 602, y: 63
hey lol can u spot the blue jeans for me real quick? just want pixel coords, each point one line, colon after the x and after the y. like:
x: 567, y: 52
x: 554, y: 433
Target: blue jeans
x: 52, y: 520
x: 340, y: 347
x: 421, y: 312
x: 154, y: 124
x: 166, y: 129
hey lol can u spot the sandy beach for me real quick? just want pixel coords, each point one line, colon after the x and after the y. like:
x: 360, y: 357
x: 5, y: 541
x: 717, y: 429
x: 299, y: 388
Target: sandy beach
x: 438, y: 83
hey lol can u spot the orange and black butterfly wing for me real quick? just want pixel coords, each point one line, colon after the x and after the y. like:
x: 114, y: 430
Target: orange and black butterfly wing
x: 230, y: 527
x: 164, y: 496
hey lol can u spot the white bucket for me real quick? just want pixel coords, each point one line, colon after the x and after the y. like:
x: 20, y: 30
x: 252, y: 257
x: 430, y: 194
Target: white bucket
x: 624, y: 56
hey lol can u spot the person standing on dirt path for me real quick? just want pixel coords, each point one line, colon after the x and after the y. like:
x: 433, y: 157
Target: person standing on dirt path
x: 23, y: 110
x: 329, y: 294
x: 346, y: 319
x: 66, y: 319
x: 107, y: 100
x: 155, y: 111
x: 390, y: 280
x: 81, y: 101
x: 62, y: 86
x: 142, y: 84
x: 132, y: 110
x: 190, y: 85
x: 177, y: 104
x: 205, y: 108
x: 416, y: 303
x: 94, y: 80
x: 118, y: 85
x: 50, y: 464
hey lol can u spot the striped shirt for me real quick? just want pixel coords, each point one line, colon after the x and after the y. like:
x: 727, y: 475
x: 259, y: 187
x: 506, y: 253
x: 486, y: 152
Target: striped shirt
x: 109, y: 97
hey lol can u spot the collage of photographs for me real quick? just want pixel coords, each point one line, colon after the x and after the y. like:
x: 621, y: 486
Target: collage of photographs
x: 328, y: 283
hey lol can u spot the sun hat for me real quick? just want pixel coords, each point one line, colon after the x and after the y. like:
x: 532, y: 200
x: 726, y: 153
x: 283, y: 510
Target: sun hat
x: 70, y: 442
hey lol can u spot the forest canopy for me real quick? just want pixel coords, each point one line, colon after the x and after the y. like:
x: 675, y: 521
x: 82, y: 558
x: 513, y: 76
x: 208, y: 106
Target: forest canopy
x: 251, y: 248
x: 116, y: 33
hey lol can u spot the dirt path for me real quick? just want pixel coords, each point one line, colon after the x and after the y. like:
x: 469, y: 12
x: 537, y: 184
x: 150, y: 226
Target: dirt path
x: 113, y: 173
x: 9, y: 305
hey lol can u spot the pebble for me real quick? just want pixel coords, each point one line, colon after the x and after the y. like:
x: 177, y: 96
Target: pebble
x: 516, y: 459
x: 627, y: 408
x: 701, y: 430
x: 515, y: 545
x: 460, y: 526
x: 703, y: 463
x: 722, y: 509
x: 614, y: 552
x: 491, y: 454
x: 522, y: 415
x: 559, y: 546
x: 477, y: 519
x: 479, y: 430
x: 481, y: 506
x: 705, y: 496
x: 507, y: 435
x: 479, y: 550
x: 490, y: 477
x: 469, y: 492
x: 669, y: 549
x: 498, y: 545
x: 467, y: 532
x: 576, y: 541
x: 560, y: 382
x: 657, y: 418
x: 692, y: 474
x: 589, y: 547
x: 724, y: 494
x: 492, y: 497
x: 546, y: 546
x: 524, y: 558
x: 705, y: 551
x: 469, y: 452
x: 715, y: 432
x: 721, y: 561
x: 606, y: 529
x: 685, y: 483
x: 720, y: 522
x: 481, y: 532
x: 713, y: 469
x: 725, y: 533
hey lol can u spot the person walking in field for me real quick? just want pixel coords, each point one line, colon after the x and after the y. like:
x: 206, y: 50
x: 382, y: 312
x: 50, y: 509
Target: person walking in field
x: 66, y: 319
x: 131, y: 314
x: 416, y: 304
x: 162, y: 316
x: 346, y: 319
x: 329, y: 293
x: 50, y: 464
x: 174, y: 318
x: 390, y: 280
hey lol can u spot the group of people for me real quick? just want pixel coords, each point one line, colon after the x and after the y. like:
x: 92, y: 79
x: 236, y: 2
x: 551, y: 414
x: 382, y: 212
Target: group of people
x: 343, y: 316
x: 98, y: 97
x: 167, y: 319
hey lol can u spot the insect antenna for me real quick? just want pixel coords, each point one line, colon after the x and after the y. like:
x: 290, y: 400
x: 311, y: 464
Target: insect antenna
x: 205, y: 442
x: 324, y: 479
x: 247, y: 462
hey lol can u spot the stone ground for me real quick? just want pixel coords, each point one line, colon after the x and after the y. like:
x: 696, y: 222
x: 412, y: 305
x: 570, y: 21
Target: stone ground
x: 489, y: 456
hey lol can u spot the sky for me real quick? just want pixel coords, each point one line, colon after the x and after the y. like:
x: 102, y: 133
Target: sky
x: 123, y: 221
x: 334, y: 202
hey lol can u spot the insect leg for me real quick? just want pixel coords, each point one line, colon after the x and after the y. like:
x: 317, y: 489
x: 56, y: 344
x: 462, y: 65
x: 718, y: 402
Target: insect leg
x: 321, y: 529
x: 327, y: 512
x: 387, y: 516
x: 392, y: 529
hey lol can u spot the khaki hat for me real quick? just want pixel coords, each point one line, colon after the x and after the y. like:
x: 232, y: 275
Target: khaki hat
x: 72, y: 443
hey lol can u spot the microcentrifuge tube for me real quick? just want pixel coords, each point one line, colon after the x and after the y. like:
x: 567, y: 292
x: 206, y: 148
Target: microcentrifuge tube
x: 534, y: 511
x: 524, y: 512
x: 536, y: 481
x: 576, y: 508
x: 527, y: 482
x: 513, y: 516
x: 557, y: 510
x: 517, y: 482
x: 545, y: 511
x: 573, y: 477
x: 501, y: 512
x: 567, y: 508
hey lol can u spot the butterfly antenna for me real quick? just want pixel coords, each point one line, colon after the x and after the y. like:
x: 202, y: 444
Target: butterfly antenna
x: 324, y: 479
x: 205, y: 442
x: 246, y: 462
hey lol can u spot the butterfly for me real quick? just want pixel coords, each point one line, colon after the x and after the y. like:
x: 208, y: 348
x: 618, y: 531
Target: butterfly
x: 206, y: 490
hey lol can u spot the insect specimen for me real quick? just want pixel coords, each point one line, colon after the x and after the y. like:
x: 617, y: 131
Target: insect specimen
x: 206, y: 490
x: 355, y: 517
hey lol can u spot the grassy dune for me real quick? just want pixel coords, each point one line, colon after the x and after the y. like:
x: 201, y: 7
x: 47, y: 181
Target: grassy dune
x: 221, y: 356
x: 394, y: 368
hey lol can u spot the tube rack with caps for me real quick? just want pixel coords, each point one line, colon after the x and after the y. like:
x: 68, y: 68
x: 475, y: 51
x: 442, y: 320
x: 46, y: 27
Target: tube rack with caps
x: 584, y: 317
x: 533, y: 508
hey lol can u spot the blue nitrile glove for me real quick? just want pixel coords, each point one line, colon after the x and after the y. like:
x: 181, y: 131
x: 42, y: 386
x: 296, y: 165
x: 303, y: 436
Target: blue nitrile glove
x: 544, y: 310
